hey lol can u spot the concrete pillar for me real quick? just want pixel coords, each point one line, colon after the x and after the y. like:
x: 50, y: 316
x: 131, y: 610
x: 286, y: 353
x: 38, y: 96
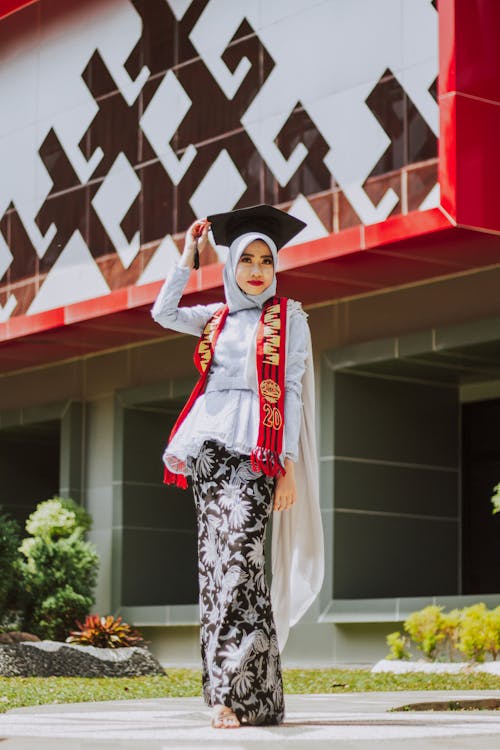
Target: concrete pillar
x: 71, y: 453
x: 98, y: 493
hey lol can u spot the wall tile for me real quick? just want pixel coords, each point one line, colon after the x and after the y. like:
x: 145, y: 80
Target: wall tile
x: 420, y: 421
x: 157, y: 506
x: 159, y: 567
x: 391, y: 557
x: 396, y: 489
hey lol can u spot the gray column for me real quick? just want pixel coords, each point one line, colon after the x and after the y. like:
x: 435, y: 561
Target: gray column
x: 98, y: 496
x: 72, y: 451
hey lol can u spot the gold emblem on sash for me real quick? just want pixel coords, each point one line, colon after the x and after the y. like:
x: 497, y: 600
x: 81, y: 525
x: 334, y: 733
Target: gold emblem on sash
x: 205, y: 350
x: 270, y: 391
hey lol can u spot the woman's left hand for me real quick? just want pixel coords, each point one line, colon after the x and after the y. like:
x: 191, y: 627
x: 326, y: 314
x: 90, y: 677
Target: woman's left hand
x: 285, y: 491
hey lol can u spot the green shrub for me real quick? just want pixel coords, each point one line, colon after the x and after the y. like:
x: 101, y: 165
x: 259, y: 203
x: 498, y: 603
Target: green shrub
x: 426, y: 629
x: 473, y: 631
x: 495, y: 500
x: 397, y: 644
x: 58, y: 568
x: 58, y: 518
x: 9, y: 542
x: 450, y: 625
x: 105, y: 632
x: 478, y: 633
x: 59, y: 611
x: 495, y: 623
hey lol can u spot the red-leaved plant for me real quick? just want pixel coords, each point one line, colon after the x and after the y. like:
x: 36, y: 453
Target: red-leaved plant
x: 105, y: 632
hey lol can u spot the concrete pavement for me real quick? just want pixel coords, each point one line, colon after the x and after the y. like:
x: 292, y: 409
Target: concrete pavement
x: 354, y: 721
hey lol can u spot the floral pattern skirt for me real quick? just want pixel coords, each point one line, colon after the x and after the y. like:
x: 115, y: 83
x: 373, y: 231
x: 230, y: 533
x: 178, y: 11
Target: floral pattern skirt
x: 239, y: 648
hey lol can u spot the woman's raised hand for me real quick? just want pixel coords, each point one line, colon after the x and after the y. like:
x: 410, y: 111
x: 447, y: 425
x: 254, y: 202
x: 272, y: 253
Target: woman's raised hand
x: 197, y: 233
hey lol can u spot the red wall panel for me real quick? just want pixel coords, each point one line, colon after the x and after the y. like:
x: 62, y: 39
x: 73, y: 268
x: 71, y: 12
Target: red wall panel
x: 469, y: 95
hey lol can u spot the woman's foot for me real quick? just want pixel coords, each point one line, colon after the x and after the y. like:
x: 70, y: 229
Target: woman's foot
x: 224, y: 718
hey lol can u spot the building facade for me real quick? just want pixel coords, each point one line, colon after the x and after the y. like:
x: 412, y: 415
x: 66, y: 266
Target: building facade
x: 376, y: 122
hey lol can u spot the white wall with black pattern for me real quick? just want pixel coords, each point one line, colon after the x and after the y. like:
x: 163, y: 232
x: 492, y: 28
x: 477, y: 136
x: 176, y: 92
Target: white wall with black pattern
x: 122, y: 120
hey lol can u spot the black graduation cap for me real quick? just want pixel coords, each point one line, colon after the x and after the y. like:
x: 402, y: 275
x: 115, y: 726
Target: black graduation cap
x: 278, y: 225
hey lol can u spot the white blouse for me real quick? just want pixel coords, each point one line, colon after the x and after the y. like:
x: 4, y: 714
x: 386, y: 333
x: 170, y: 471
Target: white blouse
x: 228, y: 410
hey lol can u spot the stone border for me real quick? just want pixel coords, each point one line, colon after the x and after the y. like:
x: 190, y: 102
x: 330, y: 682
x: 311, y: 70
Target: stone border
x: 400, y: 666
x: 55, y: 659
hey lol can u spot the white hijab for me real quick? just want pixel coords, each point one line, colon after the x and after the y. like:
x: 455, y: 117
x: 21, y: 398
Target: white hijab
x: 236, y: 299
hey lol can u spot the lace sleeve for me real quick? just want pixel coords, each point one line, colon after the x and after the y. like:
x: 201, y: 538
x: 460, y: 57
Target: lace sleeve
x: 166, y: 310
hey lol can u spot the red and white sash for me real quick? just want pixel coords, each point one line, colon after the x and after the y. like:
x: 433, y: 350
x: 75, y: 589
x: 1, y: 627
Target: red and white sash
x: 271, y: 364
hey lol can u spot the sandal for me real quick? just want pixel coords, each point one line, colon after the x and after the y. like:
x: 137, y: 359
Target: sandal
x: 224, y: 718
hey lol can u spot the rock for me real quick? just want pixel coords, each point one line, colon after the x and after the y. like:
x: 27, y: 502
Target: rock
x: 55, y: 659
x: 16, y: 636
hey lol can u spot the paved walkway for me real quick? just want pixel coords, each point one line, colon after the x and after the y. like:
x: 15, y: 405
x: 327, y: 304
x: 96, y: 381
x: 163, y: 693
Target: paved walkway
x: 355, y: 721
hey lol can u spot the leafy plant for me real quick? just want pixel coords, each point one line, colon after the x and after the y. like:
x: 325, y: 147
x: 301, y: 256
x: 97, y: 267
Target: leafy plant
x: 450, y: 624
x: 472, y: 631
x: 479, y: 632
x: 397, y: 644
x: 426, y: 629
x: 9, y: 542
x: 495, y: 500
x: 58, y: 518
x: 58, y: 568
x: 105, y: 632
x: 59, y: 611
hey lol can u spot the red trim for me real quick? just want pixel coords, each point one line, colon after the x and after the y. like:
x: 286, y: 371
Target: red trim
x: 209, y: 278
x: 7, y: 7
x: 447, y: 59
x: 414, y: 225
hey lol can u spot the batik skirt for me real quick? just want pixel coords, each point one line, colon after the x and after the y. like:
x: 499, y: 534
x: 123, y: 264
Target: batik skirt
x: 239, y: 647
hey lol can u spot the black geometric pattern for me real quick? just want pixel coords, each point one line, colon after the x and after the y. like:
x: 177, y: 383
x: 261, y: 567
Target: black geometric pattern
x: 412, y: 140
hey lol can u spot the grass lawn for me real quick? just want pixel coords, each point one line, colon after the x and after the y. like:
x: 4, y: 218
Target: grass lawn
x: 34, y: 691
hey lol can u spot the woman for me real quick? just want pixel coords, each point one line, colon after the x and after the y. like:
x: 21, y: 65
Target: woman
x: 239, y: 438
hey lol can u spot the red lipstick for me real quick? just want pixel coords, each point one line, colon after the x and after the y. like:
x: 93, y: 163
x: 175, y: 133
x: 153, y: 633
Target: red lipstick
x: 255, y: 283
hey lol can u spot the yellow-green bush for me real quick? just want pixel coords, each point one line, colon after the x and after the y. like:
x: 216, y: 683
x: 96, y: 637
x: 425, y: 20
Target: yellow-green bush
x: 397, y: 644
x: 425, y: 628
x: 495, y: 500
x: 472, y: 631
x: 450, y: 627
x: 478, y: 633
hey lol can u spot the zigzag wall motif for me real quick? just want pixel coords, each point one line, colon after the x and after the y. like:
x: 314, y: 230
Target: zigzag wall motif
x: 134, y: 116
